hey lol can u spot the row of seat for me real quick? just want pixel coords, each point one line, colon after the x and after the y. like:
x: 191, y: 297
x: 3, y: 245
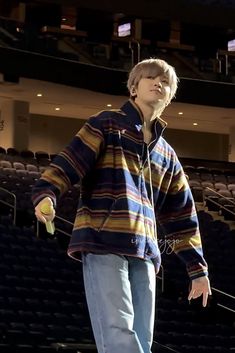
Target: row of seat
x: 220, y: 178
x: 221, y: 201
x: 214, y: 189
x: 212, y: 185
x: 20, y: 182
x: 11, y: 151
x: 18, y: 175
x: 38, y: 159
x: 202, y: 169
x: 203, y: 174
x: 5, y: 164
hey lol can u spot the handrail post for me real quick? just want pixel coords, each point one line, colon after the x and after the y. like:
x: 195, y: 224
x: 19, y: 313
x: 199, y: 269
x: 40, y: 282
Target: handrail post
x: 132, y: 53
x: 218, y: 64
x: 226, y: 64
x: 10, y: 205
x: 161, y: 278
x: 134, y: 41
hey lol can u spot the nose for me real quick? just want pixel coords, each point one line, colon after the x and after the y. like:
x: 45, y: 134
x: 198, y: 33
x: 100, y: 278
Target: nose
x: 157, y: 82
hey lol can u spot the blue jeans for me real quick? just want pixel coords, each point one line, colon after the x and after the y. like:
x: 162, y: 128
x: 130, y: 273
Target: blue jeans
x: 120, y: 292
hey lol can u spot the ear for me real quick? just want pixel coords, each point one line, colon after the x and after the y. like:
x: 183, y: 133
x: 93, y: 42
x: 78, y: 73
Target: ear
x: 133, y: 91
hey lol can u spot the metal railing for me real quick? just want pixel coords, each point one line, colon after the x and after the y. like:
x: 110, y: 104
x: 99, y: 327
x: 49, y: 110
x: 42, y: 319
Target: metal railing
x: 134, y: 59
x: 216, y: 193
x: 13, y: 206
x: 56, y: 228
x: 227, y: 57
x: 207, y: 197
x: 162, y: 278
x: 225, y: 294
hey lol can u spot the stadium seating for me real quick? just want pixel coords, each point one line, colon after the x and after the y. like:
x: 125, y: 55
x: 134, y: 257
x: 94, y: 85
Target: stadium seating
x: 42, y: 301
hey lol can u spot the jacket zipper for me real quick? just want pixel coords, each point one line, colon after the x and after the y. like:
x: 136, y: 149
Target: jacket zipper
x: 142, y: 165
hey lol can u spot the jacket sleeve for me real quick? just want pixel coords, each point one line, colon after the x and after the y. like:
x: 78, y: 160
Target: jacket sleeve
x: 179, y: 222
x: 71, y: 165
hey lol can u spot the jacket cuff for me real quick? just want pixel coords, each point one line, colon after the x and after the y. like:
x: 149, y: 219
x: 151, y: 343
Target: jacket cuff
x: 197, y: 270
x: 41, y: 196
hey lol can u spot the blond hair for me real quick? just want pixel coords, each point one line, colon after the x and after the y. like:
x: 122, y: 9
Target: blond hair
x: 153, y: 67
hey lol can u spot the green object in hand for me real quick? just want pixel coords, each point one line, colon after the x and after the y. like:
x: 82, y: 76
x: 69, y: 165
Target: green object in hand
x: 47, y: 209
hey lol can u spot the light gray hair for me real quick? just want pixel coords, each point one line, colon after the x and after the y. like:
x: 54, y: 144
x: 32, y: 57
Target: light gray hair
x: 153, y: 67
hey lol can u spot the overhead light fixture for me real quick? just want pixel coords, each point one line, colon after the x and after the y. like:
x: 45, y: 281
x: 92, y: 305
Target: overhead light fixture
x: 180, y: 113
x: 39, y: 94
x: 57, y: 108
x: 109, y: 105
x: 195, y: 124
x: 64, y: 19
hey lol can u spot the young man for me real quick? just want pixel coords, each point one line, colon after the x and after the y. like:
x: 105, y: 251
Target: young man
x: 130, y: 177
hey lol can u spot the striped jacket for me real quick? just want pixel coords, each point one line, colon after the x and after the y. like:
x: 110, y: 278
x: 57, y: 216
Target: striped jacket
x: 127, y: 187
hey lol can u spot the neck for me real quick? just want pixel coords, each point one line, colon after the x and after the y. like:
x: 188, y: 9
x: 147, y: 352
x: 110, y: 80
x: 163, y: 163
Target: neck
x: 149, y: 112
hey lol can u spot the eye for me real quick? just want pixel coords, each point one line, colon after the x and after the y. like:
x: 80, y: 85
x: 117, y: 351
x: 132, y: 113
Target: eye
x: 150, y: 77
x: 165, y: 80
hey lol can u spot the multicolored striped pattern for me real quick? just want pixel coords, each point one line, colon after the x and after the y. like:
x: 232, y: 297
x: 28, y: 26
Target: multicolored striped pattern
x: 124, y: 185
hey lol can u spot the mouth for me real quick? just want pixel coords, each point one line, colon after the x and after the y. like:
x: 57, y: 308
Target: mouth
x: 156, y: 91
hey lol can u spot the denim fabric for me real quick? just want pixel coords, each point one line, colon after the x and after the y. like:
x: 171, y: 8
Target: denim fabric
x: 120, y: 292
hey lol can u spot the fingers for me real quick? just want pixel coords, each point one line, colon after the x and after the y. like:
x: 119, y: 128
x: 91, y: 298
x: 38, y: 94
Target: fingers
x: 200, y: 286
x: 40, y: 217
x: 206, y: 295
x: 197, y: 294
x: 194, y: 294
x: 204, y: 299
x: 43, y: 217
x: 210, y: 292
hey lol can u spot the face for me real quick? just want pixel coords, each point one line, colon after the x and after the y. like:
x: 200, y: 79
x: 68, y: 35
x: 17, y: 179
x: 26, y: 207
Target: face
x: 154, y: 91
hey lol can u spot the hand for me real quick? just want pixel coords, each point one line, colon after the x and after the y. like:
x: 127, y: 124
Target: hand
x: 200, y: 286
x: 45, y: 217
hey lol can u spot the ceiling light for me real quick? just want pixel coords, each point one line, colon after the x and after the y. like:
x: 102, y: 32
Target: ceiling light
x: 180, y: 113
x: 39, y: 94
x: 109, y: 105
x: 57, y: 108
x: 64, y: 19
x: 195, y: 124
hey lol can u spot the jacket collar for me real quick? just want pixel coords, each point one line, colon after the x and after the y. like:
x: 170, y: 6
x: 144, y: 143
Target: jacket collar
x: 135, y: 117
